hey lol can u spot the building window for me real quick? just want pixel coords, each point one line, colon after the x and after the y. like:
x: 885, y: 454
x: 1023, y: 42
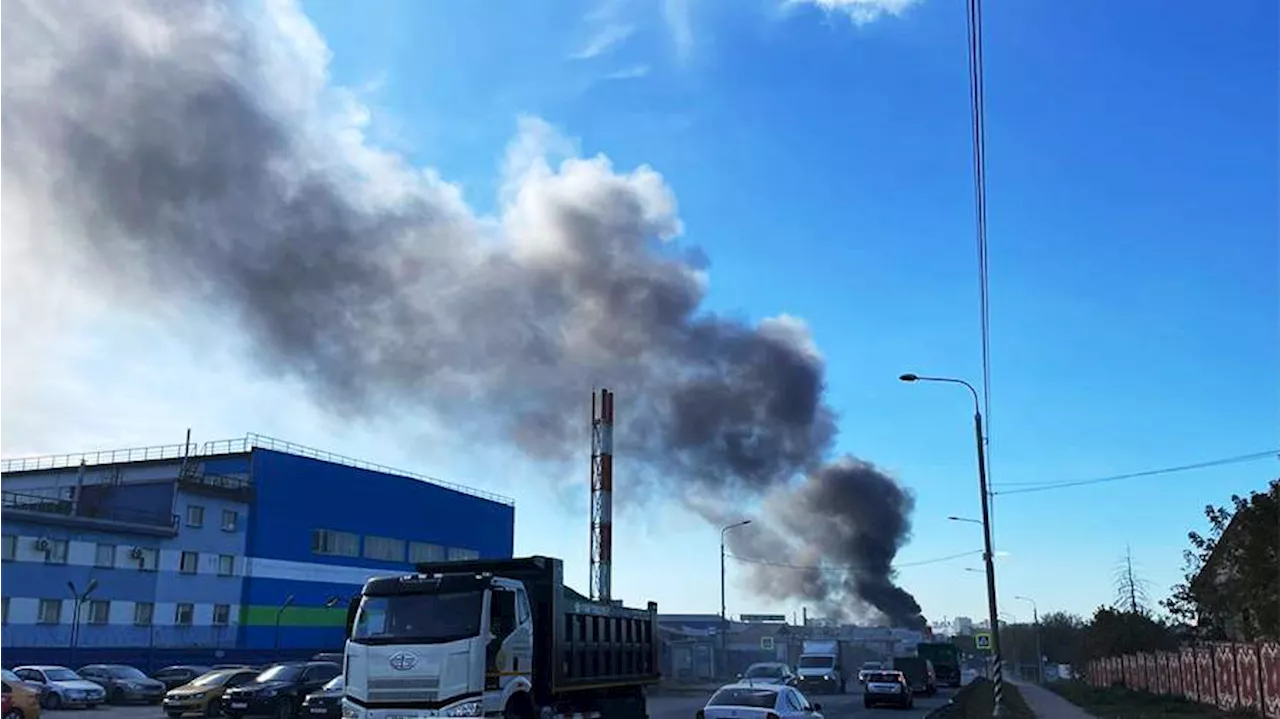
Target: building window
x: 460, y: 554
x: 384, y: 548
x: 106, y: 556
x: 189, y: 562
x: 148, y: 558
x: 57, y: 552
x: 336, y: 544
x: 99, y: 611
x: 183, y: 614
x: 226, y: 565
x: 50, y: 611
x: 424, y: 552
x: 195, y: 515
x: 230, y: 520
x: 10, y: 547
x: 221, y: 615
x: 4, y: 610
x: 143, y: 612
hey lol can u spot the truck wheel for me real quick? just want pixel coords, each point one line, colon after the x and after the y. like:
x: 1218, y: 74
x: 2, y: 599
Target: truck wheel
x: 518, y: 707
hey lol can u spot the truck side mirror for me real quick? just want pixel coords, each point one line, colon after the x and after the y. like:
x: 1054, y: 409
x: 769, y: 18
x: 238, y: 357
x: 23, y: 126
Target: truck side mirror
x: 353, y: 606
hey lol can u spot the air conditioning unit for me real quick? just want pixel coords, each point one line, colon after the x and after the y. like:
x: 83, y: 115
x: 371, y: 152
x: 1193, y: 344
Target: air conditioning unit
x: 43, y: 544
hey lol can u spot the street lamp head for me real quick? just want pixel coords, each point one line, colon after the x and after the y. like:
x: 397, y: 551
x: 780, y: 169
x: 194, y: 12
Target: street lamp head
x: 909, y: 377
x: 746, y: 522
x: 93, y: 584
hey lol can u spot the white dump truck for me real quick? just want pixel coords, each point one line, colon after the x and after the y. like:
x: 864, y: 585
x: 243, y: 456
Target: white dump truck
x: 495, y: 638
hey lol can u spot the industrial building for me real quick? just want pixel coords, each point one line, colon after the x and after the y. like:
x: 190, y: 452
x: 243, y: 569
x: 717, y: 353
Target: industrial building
x: 240, y: 550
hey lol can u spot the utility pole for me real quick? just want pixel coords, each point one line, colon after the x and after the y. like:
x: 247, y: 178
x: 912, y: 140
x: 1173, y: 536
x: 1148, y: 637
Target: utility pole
x: 724, y: 617
x: 1035, y: 619
x: 79, y: 598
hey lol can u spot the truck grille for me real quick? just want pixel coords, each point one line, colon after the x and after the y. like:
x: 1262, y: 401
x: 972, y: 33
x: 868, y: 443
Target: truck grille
x: 415, y: 689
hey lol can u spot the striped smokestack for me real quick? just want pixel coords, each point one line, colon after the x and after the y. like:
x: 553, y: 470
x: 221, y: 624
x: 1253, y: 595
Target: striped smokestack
x: 602, y: 496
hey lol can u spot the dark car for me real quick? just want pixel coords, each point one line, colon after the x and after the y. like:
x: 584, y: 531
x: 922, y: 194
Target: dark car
x: 326, y: 703
x: 887, y: 687
x: 124, y: 683
x: 179, y: 674
x: 279, y: 690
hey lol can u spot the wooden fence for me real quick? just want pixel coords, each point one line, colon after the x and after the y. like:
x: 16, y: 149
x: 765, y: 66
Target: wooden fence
x: 1230, y: 676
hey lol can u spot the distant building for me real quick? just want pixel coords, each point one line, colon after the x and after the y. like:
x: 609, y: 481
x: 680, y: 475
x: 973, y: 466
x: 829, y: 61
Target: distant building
x: 248, y: 550
x: 962, y: 626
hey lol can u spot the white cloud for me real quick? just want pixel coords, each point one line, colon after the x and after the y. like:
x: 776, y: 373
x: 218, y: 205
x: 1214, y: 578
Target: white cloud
x: 676, y: 14
x: 860, y: 12
x: 603, y: 41
x: 628, y: 73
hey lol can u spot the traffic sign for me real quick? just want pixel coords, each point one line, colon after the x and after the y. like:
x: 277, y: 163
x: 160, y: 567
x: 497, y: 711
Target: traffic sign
x: 766, y: 643
x: 982, y: 641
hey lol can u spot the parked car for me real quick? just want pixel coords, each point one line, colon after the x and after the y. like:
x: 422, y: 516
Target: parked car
x: 326, y: 703
x: 887, y: 687
x: 203, y: 695
x: 769, y: 673
x: 21, y: 700
x: 179, y: 674
x: 759, y: 701
x: 868, y: 668
x: 62, y: 687
x: 124, y: 683
x: 24, y: 688
x: 279, y: 690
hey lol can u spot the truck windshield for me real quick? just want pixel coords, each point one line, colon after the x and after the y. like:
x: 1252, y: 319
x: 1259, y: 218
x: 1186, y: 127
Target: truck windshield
x: 418, y: 618
x: 817, y: 662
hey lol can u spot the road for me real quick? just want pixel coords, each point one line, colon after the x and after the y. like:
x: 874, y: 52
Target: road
x: 674, y: 706
x: 666, y: 706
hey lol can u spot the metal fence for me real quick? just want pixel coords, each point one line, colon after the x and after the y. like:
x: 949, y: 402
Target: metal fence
x: 1232, y: 676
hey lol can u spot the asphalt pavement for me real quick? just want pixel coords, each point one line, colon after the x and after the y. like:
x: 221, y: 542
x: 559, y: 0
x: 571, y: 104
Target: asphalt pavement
x: 661, y: 706
x: 834, y: 706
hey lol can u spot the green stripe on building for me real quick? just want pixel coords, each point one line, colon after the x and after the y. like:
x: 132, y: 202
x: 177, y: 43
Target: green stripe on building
x: 258, y: 615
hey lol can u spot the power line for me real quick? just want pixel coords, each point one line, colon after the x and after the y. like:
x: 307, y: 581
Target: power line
x: 1025, y: 487
x: 850, y: 568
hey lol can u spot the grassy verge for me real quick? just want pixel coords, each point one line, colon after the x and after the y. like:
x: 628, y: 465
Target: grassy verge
x: 976, y: 700
x: 1120, y: 703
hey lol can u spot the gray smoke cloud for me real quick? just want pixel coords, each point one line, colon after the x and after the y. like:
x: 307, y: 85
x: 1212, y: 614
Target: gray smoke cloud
x: 196, y: 149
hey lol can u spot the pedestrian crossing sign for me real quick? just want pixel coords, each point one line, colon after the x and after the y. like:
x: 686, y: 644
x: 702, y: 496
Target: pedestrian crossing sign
x: 766, y: 643
x: 982, y: 641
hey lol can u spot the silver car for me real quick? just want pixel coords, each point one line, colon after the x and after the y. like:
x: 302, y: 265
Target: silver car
x: 61, y: 686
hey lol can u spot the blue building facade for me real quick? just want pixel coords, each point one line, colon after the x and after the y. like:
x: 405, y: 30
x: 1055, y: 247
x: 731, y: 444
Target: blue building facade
x: 247, y: 550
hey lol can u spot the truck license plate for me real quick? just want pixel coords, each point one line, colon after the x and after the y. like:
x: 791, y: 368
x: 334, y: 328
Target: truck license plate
x: 239, y: 705
x: 318, y: 710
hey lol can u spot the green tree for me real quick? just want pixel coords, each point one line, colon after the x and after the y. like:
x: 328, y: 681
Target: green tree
x: 1113, y: 632
x: 1245, y: 588
x: 1062, y: 637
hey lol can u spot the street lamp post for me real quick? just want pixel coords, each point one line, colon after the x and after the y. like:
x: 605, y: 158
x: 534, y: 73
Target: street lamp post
x: 724, y: 617
x: 1035, y: 619
x: 79, y: 598
x: 987, y: 555
x: 288, y: 601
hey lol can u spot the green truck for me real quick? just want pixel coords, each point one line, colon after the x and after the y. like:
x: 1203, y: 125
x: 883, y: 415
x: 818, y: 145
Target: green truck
x: 945, y: 657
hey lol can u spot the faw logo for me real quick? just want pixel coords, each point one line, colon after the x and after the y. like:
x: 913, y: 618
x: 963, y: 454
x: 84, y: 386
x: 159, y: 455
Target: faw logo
x: 402, y: 661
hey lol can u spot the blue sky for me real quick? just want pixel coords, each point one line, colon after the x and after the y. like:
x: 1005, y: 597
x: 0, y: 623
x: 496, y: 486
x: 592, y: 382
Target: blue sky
x: 822, y: 161
x: 824, y: 165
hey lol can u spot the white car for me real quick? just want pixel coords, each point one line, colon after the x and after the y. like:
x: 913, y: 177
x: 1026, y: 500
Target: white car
x: 62, y: 687
x: 769, y: 673
x: 758, y: 701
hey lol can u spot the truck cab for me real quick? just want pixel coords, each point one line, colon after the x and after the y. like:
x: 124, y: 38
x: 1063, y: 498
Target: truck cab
x: 490, y: 638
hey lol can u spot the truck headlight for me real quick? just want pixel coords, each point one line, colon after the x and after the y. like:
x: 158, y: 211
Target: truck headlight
x: 829, y: 677
x: 350, y: 711
x: 469, y: 708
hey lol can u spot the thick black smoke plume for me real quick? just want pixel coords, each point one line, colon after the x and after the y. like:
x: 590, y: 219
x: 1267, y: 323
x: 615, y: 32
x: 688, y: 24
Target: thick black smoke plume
x: 196, y: 148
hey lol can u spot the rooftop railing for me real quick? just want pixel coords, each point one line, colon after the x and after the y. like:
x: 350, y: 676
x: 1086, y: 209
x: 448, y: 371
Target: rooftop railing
x: 244, y: 444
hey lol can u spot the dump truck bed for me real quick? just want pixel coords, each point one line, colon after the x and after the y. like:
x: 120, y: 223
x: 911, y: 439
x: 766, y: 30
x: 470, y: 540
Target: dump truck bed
x: 578, y: 644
